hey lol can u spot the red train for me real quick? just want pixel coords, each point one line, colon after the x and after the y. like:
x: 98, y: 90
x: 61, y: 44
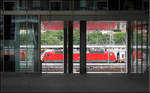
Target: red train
x: 91, y: 56
x: 51, y: 55
x: 12, y: 53
x: 134, y: 55
x: 22, y: 54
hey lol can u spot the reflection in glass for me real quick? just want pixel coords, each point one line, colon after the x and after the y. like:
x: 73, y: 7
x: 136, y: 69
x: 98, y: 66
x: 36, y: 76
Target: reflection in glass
x: 139, y: 47
x: 20, y: 43
x: 58, y: 5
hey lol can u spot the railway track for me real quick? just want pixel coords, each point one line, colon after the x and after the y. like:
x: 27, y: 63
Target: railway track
x: 91, y: 67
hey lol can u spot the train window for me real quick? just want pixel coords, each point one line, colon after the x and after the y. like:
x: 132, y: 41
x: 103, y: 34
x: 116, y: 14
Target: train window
x: 96, y: 51
x: 22, y: 53
x: 75, y: 51
x: 123, y: 56
x: 47, y: 54
x: 58, y: 51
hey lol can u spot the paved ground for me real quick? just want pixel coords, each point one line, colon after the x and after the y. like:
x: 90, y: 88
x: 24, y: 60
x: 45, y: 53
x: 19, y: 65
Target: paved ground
x: 66, y: 83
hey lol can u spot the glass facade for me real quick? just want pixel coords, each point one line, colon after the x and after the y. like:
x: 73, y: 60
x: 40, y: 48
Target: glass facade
x: 21, y: 26
x: 19, y: 43
x: 58, y: 5
x: 139, y: 57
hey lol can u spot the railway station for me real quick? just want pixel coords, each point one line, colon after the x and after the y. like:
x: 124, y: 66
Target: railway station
x: 68, y: 46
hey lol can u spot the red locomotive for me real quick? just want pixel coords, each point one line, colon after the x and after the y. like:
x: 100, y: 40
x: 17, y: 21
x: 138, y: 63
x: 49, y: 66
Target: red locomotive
x: 91, y: 56
x: 135, y: 55
x: 22, y: 54
x: 12, y: 53
x: 52, y: 55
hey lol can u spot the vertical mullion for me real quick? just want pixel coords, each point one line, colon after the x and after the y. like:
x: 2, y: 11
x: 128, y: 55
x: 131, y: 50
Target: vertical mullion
x: 39, y: 64
x: 3, y: 70
x: 132, y: 45
x: 27, y: 30
x: 82, y: 47
x: 70, y: 47
x: 137, y: 46
x: 65, y: 47
x: 142, y: 46
x: 129, y: 47
x: 147, y: 46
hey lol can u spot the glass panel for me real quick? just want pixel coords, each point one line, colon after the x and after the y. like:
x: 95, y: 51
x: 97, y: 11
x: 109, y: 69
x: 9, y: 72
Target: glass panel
x: 52, y: 50
x: 76, y: 44
x: 1, y: 44
x: 146, y: 4
x: 131, y: 4
x: 58, y: 5
x: 90, y: 4
x: 20, y: 43
x: 1, y: 5
x: 11, y: 5
x: 21, y: 4
x: 27, y: 39
x: 106, y: 46
x: 134, y: 47
x: 9, y: 44
x: 34, y: 4
x: 139, y: 47
x: 144, y: 45
x: 113, y: 4
x: 44, y: 4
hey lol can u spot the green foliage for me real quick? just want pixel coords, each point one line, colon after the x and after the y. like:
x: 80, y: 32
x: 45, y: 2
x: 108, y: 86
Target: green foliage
x: 120, y: 38
x: 97, y: 38
x: 27, y: 38
x: 94, y: 38
x: 138, y: 38
x: 76, y: 37
x: 52, y: 38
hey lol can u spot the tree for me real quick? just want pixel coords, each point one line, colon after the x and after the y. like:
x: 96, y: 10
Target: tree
x: 120, y: 38
x: 76, y: 37
x: 52, y: 38
x: 94, y: 38
x: 97, y: 38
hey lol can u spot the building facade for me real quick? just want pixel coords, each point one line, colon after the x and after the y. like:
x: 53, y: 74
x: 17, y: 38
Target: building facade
x: 20, y: 30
